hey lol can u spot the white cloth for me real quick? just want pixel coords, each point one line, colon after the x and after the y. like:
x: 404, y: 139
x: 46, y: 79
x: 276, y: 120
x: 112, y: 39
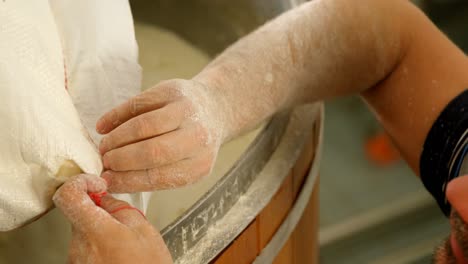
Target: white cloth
x: 94, y: 43
x: 101, y: 58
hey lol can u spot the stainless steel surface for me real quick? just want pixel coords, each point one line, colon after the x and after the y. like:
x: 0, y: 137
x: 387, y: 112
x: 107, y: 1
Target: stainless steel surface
x: 301, y: 126
x: 464, y: 167
x: 189, y: 229
x: 212, y: 26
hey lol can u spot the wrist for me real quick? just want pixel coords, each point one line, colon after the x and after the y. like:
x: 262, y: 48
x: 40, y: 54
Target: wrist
x: 217, y: 105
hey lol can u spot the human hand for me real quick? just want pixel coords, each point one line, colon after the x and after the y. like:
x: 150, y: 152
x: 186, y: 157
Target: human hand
x: 455, y: 248
x: 166, y: 137
x: 115, y: 233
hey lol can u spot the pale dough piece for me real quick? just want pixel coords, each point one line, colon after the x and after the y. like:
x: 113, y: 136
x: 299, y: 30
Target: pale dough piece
x: 68, y: 169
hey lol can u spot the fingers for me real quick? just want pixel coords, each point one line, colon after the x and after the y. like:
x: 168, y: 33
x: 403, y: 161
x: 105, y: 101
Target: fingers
x: 144, y: 126
x: 155, y: 152
x: 457, y: 194
x: 123, y: 212
x: 149, y: 100
x: 73, y: 200
x: 165, y: 177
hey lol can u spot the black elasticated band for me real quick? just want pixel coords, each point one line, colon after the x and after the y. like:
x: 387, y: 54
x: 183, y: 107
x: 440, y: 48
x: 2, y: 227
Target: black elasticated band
x: 439, y: 147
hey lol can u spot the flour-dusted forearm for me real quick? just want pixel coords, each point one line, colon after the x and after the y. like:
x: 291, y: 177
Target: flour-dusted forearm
x: 322, y: 49
x: 389, y: 51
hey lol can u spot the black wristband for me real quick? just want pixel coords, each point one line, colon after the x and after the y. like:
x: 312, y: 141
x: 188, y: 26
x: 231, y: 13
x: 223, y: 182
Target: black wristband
x: 443, y: 141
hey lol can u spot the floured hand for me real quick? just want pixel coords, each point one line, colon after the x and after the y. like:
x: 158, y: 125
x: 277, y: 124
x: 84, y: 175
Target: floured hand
x: 166, y: 137
x: 115, y: 233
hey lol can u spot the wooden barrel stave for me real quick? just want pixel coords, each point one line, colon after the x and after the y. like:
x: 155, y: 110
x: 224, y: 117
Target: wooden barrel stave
x: 302, y: 246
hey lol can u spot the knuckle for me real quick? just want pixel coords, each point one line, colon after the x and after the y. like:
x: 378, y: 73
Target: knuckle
x: 110, y: 159
x: 135, y: 105
x: 155, y: 154
x: 152, y: 176
x: 107, y: 142
x: 139, y: 103
x: 113, y: 204
x: 141, y: 127
x: 163, y: 154
x: 114, y: 117
x: 172, y: 177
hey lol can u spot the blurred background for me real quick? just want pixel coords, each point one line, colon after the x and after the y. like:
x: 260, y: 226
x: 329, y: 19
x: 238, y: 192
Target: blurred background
x: 373, y: 208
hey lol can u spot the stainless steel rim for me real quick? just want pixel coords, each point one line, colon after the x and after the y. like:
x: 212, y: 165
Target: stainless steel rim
x: 221, y: 215
x: 271, y: 250
x: 188, y: 229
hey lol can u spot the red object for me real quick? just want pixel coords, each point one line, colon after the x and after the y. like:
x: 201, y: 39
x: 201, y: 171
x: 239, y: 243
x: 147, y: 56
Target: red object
x: 380, y: 150
x: 97, y: 197
x: 127, y: 207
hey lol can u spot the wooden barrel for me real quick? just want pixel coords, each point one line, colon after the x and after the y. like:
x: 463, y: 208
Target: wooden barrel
x: 301, y: 246
x: 274, y: 218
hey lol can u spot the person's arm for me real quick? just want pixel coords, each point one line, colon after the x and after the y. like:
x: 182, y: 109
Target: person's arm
x: 388, y: 51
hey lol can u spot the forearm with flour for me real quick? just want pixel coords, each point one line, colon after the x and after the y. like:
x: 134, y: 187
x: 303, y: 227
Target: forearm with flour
x: 322, y: 49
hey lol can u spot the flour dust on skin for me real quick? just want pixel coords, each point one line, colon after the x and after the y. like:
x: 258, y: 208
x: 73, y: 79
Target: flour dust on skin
x: 168, y: 56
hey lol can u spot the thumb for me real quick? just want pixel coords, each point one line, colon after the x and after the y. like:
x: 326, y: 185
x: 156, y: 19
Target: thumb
x: 123, y: 212
x: 73, y: 200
